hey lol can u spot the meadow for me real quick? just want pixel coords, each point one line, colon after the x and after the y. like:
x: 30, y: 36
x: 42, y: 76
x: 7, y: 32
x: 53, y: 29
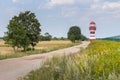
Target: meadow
x: 6, y: 51
x: 99, y: 61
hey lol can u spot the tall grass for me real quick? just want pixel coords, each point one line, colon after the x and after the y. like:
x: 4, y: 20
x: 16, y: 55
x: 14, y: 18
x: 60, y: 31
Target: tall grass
x: 101, y: 63
x: 55, y: 69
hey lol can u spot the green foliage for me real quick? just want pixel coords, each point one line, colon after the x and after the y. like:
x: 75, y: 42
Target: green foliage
x: 100, y: 61
x: 48, y: 37
x: 106, y: 61
x: 1, y: 37
x: 74, y: 33
x: 83, y: 37
x: 55, y: 69
x: 61, y: 38
x: 55, y: 38
x: 72, y: 38
x: 114, y: 38
x: 23, y: 30
x: 45, y: 37
x: 111, y: 39
x: 41, y: 38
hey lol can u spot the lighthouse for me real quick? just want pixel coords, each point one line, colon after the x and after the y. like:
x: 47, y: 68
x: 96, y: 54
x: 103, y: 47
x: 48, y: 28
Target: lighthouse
x: 92, y: 29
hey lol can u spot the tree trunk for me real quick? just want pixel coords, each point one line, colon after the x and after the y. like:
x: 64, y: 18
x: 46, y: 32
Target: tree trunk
x: 14, y: 49
x: 24, y: 49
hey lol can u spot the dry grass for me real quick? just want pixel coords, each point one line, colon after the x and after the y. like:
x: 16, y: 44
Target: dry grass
x: 44, y: 45
x: 51, y: 44
x: 4, y: 48
x: 1, y: 42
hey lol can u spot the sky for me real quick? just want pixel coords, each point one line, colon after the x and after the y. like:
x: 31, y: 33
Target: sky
x: 57, y: 16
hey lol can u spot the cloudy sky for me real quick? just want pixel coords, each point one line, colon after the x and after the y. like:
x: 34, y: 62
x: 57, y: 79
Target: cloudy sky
x: 57, y: 16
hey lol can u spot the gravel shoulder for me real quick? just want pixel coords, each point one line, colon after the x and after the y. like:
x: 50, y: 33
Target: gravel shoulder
x: 11, y: 69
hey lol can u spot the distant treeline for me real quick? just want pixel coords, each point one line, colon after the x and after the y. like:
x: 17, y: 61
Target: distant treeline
x: 1, y: 37
x: 48, y: 37
x: 111, y: 39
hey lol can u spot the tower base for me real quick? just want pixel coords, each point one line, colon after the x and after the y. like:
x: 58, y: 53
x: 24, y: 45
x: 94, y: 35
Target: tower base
x: 92, y: 38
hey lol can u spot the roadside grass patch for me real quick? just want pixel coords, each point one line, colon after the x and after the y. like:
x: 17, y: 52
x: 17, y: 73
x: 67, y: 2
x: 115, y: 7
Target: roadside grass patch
x: 99, y: 61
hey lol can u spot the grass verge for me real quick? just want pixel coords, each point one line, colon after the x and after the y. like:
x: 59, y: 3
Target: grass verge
x: 99, y: 61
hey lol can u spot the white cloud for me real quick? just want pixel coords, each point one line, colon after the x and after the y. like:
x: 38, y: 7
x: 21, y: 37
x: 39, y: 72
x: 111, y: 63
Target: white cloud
x: 52, y: 3
x: 69, y: 12
x: 106, y: 7
x: 103, y: 11
x: 22, y: 1
x: 111, y: 5
x: 15, y: 1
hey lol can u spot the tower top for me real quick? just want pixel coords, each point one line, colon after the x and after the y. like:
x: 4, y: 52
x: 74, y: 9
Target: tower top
x: 92, y: 22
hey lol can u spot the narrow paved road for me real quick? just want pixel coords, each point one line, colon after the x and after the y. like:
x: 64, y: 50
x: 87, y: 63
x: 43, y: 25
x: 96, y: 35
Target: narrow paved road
x: 11, y: 69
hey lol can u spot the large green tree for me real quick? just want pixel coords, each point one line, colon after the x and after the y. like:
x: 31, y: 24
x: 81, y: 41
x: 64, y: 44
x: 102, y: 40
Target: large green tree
x: 74, y: 33
x: 23, y: 30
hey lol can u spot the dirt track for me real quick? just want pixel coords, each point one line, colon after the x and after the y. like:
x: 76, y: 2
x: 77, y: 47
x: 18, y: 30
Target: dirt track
x: 11, y: 69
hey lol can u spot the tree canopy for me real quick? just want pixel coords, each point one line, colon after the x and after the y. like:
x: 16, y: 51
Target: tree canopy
x: 74, y: 33
x: 83, y: 38
x: 23, y: 30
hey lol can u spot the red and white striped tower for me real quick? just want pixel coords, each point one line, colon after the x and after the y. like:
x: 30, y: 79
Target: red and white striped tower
x: 92, y: 29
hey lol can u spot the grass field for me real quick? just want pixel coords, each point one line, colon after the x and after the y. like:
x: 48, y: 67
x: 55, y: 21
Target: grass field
x: 45, y: 46
x: 100, y: 61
